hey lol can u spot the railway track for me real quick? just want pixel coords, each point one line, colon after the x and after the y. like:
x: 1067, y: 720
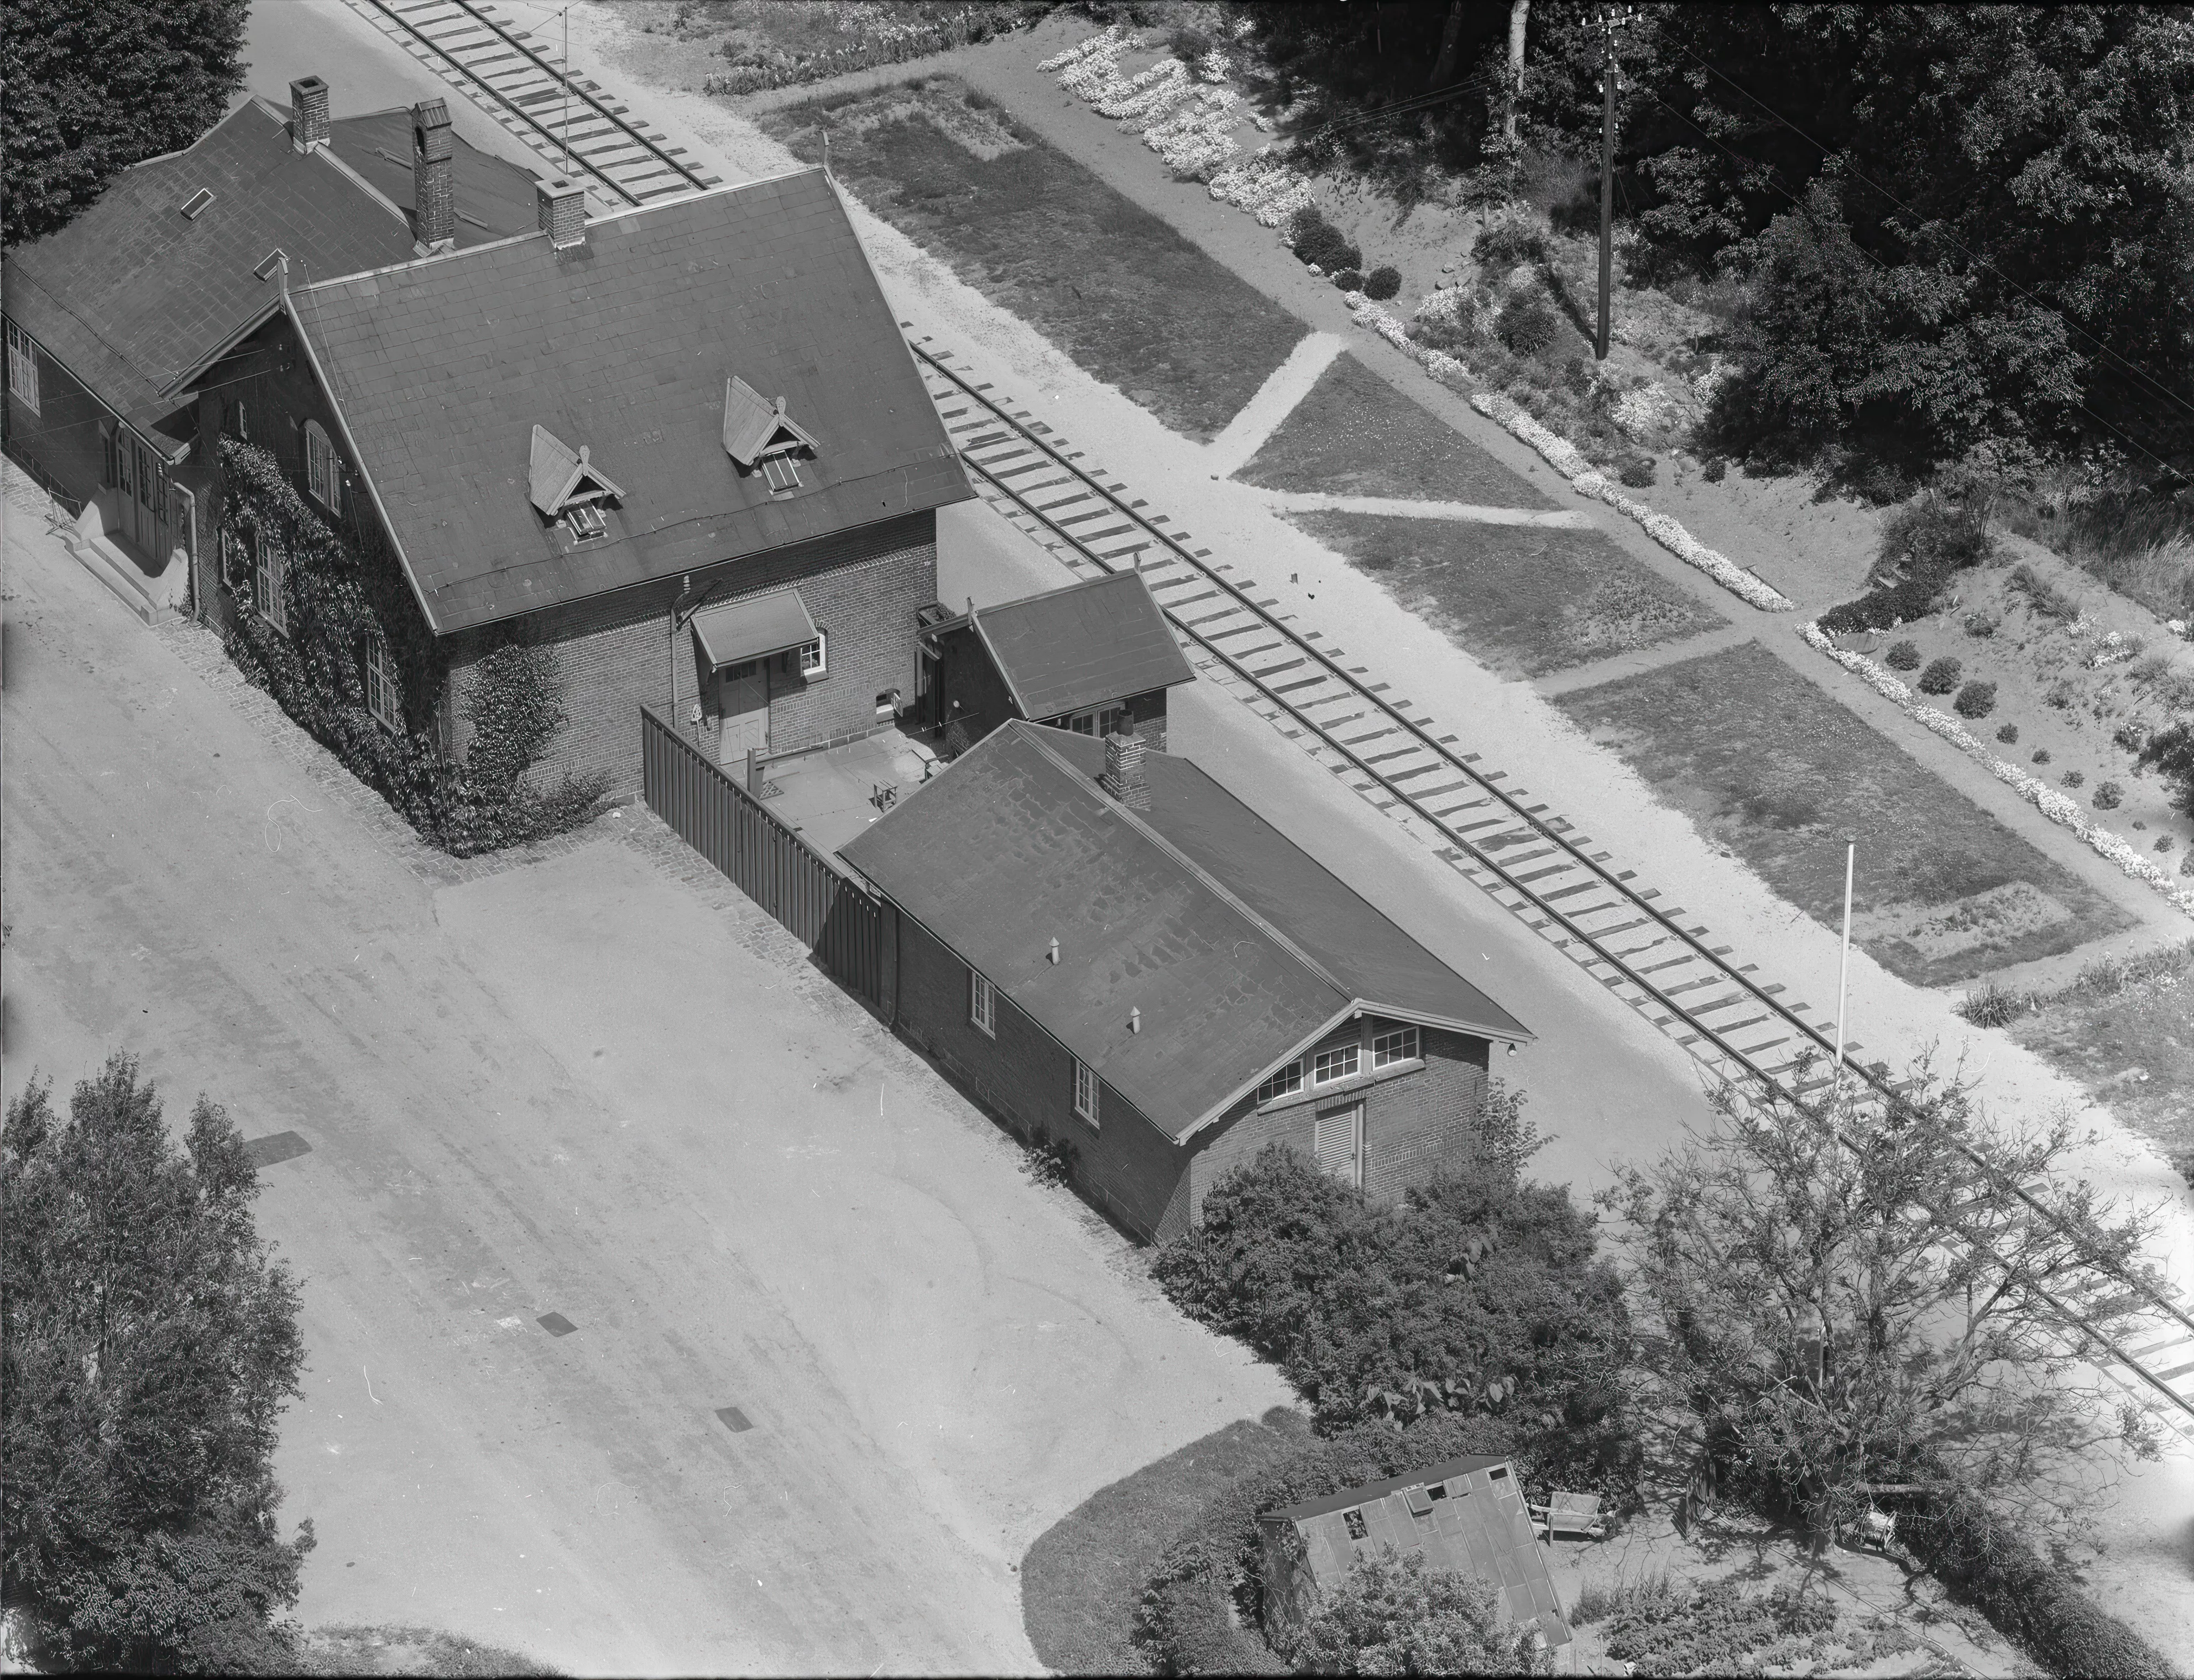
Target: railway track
x: 498, y: 66
x: 1654, y: 956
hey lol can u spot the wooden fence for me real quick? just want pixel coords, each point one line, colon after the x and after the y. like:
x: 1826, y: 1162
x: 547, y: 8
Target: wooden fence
x: 823, y: 906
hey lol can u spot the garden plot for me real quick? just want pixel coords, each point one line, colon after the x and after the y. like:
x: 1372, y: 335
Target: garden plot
x: 1115, y: 287
x: 1523, y: 600
x: 1768, y: 766
x: 1354, y: 434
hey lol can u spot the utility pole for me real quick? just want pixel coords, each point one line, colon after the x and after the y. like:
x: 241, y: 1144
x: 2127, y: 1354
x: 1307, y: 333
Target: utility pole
x: 1843, y: 968
x: 1610, y: 21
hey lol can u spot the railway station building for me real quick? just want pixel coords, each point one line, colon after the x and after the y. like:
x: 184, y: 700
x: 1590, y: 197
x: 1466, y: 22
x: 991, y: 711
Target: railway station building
x: 1114, y: 955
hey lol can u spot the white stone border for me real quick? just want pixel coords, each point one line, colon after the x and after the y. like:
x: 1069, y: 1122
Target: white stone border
x: 1564, y: 458
x: 2036, y: 792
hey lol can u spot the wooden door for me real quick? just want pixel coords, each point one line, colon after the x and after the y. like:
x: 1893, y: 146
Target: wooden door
x: 125, y: 486
x: 1337, y: 1136
x: 143, y: 529
x: 742, y: 712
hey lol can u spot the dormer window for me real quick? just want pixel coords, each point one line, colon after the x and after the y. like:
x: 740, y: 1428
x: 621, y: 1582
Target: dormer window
x: 759, y: 435
x: 568, y: 488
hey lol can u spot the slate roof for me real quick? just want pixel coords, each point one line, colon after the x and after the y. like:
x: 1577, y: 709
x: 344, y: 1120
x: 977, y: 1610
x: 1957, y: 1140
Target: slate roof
x: 1239, y: 949
x: 494, y: 198
x: 1089, y: 642
x: 442, y: 368
x: 132, y: 294
x: 1467, y: 1516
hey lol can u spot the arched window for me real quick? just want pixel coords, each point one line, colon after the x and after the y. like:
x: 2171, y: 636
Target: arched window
x: 322, y: 469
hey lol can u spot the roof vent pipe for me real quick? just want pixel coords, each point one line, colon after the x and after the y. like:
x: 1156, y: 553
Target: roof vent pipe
x: 1053, y: 955
x: 563, y: 206
x: 1135, y: 1020
x: 309, y: 114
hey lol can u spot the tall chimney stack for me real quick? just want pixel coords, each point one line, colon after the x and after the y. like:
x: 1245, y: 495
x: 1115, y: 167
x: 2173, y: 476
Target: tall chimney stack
x: 434, y: 175
x: 563, y: 212
x: 1123, y: 769
x: 309, y: 114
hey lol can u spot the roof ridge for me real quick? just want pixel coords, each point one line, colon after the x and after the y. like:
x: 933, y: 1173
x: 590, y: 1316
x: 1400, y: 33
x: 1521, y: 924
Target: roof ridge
x: 997, y: 662
x: 1226, y: 894
x: 1078, y: 585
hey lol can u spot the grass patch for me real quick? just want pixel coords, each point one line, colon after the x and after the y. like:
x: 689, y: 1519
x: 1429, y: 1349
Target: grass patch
x: 1764, y: 762
x: 1083, y: 1581
x: 1354, y: 434
x: 408, y: 1650
x: 1131, y: 301
x: 1521, y: 599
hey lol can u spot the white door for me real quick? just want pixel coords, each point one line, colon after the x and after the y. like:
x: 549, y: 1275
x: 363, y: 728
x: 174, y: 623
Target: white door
x: 742, y: 712
x: 1337, y: 1136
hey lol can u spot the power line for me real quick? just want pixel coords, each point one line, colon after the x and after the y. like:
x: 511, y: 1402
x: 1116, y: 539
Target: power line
x: 1403, y: 107
x: 2137, y: 372
x: 1752, y: 163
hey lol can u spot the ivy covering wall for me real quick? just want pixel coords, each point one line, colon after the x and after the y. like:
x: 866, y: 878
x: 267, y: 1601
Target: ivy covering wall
x: 340, y: 588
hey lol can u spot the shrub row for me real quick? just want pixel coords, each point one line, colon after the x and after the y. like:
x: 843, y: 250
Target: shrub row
x: 1923, y: 547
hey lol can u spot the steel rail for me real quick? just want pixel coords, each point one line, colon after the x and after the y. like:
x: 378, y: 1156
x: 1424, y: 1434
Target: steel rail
x: 690, y: 177
x: 1630, y: 899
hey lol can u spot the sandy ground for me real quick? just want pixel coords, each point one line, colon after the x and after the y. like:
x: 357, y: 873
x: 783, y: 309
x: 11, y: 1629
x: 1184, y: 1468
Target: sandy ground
x: 601, y: 1084
x: 1514, y: 726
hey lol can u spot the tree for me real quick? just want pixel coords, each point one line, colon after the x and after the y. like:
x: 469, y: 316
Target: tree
x: 1393, y: 1616
x: 2171, y: 752
x: 95, y: 85
x: 148, y: 1343
x: 1848, y: 1326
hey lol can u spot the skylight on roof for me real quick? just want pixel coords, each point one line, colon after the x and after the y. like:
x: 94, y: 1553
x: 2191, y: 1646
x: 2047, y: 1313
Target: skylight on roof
x: 195, y: 205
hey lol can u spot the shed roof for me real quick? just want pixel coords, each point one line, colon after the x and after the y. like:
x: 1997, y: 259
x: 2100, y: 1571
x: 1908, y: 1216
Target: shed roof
x: 1466, y: 1516
x: 1076, y: 647
x: 1239, y: 949
x: 133, y: 294
x: 442, y: 368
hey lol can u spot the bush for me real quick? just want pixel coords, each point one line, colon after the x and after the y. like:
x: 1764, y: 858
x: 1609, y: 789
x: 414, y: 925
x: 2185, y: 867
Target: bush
x: 1977, y: 699
x: 1982, y: 625
x: 1637, y: 472
x: 1715, y: 471
x: 1993, y: 1006
x: 1941, y: 676
x: 1349, y: 280
x: 1316, y: 240
x: 2008, y: 734
x: 1392, y: 1615
x: 1509, y: 240
x: 1476, y: 1294
x: 1189, y: 44
x: 1527, y: 323
x: 2109, y: 796
x: 1383, y: 282
x: 1904, y: 656
x: 2171, y: 752
x: 2040, y: 755
x: 1705, y: 1632
x: 1923, y: 547
x: 2073, y: 778
x: 2043, y: 596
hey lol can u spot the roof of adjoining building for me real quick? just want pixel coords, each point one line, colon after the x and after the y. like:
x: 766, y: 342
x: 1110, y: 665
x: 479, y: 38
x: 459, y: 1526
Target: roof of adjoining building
x: 441, y: 370
x: 1239, y: 949
x: 131, y: 295
x: 494, y: 198
x: 1089, y: 642
x: 1466, y: 1516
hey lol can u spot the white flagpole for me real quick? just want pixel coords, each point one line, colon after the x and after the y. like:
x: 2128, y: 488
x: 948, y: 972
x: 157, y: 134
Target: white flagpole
x: 1843, y: 969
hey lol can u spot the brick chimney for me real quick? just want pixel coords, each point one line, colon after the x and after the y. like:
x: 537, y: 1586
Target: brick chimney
x: 1123, y: 770
x: 309, y: 114
x: 434, y: 175
x: 563, y: 212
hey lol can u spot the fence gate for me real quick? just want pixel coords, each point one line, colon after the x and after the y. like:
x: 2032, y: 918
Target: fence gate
x: 820, y: 905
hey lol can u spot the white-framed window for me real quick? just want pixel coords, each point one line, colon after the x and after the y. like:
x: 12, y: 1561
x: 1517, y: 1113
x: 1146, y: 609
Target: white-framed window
x: 809, y: 659
x: 268, y: 570
x: 1085, y: 1092
x: 1284, y: 1083
x: 1398, y: 1045
x: 22, y: 367
x: 323, y: 469
x: 1343, y: 1062
x: 1099, y: 722
x: 585, y: 521
x: 982, y: 1005
x: 381, y: 682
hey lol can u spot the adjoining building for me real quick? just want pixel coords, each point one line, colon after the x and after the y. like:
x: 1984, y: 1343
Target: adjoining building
x: 1109, y: 950
x: 1466, y: 1516
x: 1090, y: 657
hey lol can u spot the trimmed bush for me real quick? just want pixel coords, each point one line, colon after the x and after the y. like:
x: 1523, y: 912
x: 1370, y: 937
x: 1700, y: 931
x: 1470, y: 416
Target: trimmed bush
x: 1637, y: 471
x: 1527, y: 323
x: 2109, y: 796
x: 1941, y: 676
x: 2073, y: 778
x: 1317, y: 241
x: 1349, y: 280
x: 2008, y: 734
x: 1383, y: 282
x: 1904, y: 656
x: 1977, y: 699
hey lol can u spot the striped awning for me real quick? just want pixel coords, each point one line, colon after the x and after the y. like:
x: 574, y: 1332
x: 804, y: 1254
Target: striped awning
x: 753, y: 629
